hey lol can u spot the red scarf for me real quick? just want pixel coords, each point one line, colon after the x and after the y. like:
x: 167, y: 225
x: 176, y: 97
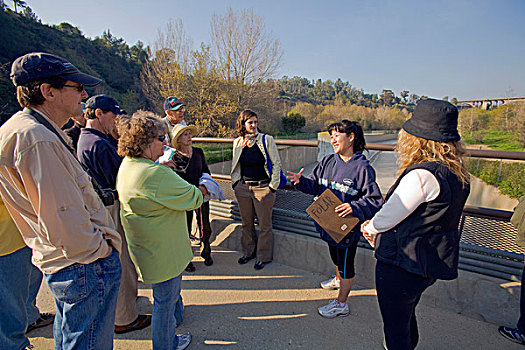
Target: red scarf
x: 249, y: 139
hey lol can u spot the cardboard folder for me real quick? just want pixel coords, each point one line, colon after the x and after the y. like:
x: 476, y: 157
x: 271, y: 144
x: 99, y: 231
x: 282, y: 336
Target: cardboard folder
x: 323, y: 212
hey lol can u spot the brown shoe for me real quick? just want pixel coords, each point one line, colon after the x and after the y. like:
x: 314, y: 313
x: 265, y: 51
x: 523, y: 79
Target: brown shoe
x: 43, y: 320
x: 141, y: 322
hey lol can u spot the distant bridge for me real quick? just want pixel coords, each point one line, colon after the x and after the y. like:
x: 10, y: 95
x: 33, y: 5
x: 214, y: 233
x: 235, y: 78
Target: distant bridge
x: 488, y: 103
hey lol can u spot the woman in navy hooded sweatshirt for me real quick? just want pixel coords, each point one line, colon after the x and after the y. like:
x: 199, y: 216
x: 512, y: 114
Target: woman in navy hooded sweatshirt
x: 351, y: 178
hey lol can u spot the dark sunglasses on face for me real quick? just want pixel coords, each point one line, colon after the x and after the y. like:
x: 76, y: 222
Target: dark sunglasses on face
x: 79, y: 88
x: 161, y: 138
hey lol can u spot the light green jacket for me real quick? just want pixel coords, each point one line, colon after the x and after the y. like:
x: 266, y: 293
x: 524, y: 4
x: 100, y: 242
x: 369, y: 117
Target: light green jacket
x: 518, y: 220
x: 274, y: 157
x: 154, y: 200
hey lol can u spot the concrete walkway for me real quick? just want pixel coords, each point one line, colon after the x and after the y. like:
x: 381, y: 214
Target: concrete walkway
x: 232, y: 306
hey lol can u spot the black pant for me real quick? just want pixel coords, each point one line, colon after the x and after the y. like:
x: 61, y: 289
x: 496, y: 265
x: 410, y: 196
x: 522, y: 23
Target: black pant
x: 398, y: 293
x: 204, y: 224
x: 521, y: 321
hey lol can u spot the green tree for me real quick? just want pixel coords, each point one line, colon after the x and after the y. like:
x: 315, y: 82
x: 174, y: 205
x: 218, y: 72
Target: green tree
x: 292, y: 122
x: 387, y: 97
x: 454, y: 101
x: 29, y: 14
x: 414, y: 98
x: 404, y: 95
x: 20, y: 3
x: 69, y: 29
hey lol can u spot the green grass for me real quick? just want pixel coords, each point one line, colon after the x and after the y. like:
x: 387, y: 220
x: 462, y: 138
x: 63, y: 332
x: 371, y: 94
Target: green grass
x: 215, y: 153
x: 511, y: 181
x: 497, y: 140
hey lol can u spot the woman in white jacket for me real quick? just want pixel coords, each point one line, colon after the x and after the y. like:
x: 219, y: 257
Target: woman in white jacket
x: 255, y: 187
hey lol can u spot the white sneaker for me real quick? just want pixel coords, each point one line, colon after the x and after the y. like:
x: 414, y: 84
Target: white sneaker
x: 332, y: 283
x: 333, y: 309
x: 184, y: 341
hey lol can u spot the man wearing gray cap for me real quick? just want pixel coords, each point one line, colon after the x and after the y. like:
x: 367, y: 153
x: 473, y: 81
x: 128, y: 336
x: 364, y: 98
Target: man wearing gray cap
x: 54, y: 205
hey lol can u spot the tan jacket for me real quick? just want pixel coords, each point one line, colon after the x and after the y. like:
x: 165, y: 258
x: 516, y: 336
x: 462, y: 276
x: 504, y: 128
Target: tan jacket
x: 50, y: 197
x: 518, y: 220
x: 274, y: 157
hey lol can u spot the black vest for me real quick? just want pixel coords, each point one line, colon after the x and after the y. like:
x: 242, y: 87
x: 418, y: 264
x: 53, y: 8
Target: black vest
x: 426, y: 243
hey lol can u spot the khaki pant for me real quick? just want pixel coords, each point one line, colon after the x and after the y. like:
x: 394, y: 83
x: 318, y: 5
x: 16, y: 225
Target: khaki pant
x: 127, y: 311
x: 256, y: 200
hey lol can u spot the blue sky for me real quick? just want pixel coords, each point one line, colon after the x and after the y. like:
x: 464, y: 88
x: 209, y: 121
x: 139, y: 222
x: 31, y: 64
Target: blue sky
x: 457, y: 48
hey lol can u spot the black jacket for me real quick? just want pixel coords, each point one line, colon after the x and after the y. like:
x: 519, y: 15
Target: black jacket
x: 426, y: 243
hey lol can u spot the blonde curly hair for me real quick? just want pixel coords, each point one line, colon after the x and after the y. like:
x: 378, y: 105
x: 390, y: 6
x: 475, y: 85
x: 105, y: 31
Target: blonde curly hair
x: 138, y: 132
x: 415, y: 150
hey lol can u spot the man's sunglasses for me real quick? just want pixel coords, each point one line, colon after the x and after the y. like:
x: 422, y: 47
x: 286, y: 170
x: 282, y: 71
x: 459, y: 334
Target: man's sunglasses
x: 79, y: 88
x: 161, y: 138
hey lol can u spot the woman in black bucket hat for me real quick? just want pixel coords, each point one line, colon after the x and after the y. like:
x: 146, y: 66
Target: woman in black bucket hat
x: 415, y: 234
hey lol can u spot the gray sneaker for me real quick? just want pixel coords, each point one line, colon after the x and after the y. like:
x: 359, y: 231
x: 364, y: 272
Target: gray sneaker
x: 184, y: 341
x: 333, y: 309
x: 332, y: 283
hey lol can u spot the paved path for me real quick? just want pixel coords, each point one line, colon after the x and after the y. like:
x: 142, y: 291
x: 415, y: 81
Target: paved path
x: 229, y: 306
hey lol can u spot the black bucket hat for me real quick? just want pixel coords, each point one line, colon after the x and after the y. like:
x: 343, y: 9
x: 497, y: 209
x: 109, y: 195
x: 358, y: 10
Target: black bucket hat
x: 435, y: 120
x: 41, y: 65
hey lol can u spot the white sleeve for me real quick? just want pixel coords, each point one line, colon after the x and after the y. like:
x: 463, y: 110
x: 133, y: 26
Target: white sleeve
x: 416, y: 187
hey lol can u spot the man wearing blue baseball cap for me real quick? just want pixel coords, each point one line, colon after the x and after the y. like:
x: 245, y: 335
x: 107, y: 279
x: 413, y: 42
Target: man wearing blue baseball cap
x: 54, y: 205
x: 174, y: 109
x: 97, y: 151
x: 97, y: 146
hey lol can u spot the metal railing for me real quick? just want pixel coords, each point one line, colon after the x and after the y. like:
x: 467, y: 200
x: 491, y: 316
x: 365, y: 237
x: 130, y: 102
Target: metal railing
x: 474, y: 153
x: 487, y: 241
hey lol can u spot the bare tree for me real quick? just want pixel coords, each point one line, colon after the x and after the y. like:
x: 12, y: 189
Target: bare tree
x: 175, y: 39
x: 166, y: 72
x: 246, y: 53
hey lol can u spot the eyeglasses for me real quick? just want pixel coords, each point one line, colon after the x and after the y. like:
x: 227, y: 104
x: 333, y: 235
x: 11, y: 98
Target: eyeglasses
x: 161, y: 138
x: 79, y: 88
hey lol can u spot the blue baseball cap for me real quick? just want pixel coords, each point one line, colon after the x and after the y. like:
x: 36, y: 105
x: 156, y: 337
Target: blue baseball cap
x: 172, y: 103
x: 104, y: 102
x: 40, y: 65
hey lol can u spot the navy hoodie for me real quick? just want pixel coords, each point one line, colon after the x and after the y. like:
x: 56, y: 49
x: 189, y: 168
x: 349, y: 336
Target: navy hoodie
x: 353, y: 182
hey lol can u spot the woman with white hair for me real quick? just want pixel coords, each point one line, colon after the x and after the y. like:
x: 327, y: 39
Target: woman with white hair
x: 190, y: 164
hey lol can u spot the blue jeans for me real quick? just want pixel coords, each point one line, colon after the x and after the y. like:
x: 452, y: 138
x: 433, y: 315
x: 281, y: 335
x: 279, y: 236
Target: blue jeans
x: 86, y: 299
x: 19, y: 284
x: 167, y: 313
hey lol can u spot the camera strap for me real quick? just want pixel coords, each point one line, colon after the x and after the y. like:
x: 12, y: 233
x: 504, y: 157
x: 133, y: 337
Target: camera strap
x: 39, y: 118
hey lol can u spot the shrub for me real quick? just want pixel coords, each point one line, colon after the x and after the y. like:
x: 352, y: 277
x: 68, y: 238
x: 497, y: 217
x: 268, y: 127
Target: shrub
x: 511, y: 181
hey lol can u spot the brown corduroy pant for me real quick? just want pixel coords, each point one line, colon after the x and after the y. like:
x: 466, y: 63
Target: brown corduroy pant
x: 256, y: 200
